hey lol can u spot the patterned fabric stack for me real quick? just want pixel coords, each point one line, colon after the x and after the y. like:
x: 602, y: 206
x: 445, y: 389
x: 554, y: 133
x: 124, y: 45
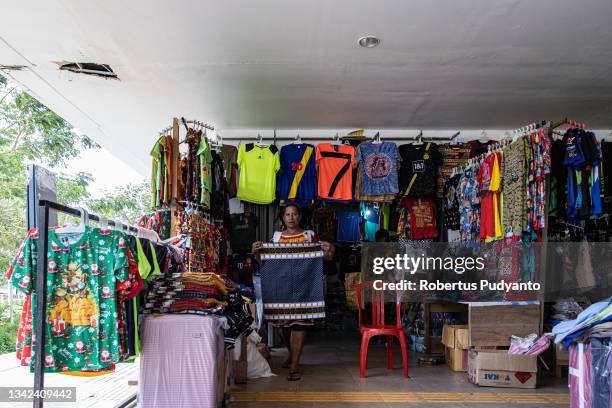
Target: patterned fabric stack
x: 292, y: 281
x: 191, y: 293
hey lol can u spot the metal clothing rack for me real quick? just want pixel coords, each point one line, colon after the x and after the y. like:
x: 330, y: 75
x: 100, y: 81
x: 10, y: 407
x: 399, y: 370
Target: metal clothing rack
x: 418, y: 137
x: 44, y: 206
x: 197, y: 123
x: 569, y: 122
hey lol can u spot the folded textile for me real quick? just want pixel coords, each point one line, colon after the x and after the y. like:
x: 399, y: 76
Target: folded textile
x: 592, y: 314
x: 292, y: 281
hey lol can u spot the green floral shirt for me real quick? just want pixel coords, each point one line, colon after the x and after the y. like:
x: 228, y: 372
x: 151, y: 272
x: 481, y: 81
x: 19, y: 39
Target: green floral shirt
x: 83, y: 271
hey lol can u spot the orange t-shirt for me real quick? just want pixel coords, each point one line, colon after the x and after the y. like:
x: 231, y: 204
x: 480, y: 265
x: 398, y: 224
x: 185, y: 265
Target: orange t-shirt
x: 335, y: 178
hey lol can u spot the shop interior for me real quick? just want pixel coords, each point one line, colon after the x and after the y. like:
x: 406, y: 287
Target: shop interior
x: 280, y: 141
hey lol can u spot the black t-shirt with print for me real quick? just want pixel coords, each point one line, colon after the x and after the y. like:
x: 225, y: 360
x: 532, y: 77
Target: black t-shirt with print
x: 421, y: 161
x: 243, y: 232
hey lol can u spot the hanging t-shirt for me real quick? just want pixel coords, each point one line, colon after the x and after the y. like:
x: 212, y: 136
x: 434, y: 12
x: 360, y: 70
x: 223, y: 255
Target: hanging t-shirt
x: 453, y: 155
x: 378, y: 168
x: 422, y: 217
x: 205, y: 159
x: 243, y: 232
x: 324, y: 223
x: 348, y: 226
x: 297, y: 178
x: 86, y: 273
x: 514, y: 180
x: 258, y: 166
x: 335, y: 177
x: 489, y: 179
x: 451, y: 204
x: 419, y: 170
x: 574, y: 156
x: 229, y: 155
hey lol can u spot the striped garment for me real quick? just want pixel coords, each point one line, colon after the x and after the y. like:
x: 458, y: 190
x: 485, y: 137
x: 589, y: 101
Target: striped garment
x: 292, y: 281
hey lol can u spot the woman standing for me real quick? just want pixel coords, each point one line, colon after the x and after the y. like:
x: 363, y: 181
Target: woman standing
x: 293, y: 332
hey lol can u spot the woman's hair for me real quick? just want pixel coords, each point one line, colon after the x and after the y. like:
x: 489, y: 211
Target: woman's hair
x: 297, y: 208
x: 284, y: 208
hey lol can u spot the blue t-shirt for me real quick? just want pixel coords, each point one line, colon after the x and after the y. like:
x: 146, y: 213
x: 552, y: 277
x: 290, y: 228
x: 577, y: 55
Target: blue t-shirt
x: 348, y: 226
x: 574, y: 156
x: 297, y: 177
x: 378, y: 168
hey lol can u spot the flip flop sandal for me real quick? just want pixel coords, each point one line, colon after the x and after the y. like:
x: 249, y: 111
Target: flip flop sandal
x: 294, y: 376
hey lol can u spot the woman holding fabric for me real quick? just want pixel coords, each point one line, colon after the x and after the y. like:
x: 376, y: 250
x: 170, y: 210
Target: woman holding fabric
x: 293, y: 331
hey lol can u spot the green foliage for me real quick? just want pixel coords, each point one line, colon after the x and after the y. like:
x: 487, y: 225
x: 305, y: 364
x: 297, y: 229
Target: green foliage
x: 127, y: 203
x: 8, y: 330
x: 30, y: 132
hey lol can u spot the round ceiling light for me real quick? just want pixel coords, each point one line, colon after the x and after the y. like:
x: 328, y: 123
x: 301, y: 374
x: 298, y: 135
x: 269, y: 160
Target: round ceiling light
x: 369, y: 41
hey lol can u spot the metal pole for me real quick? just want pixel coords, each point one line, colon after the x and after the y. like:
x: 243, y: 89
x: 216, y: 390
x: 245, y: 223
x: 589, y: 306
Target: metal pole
x: 41, y: 303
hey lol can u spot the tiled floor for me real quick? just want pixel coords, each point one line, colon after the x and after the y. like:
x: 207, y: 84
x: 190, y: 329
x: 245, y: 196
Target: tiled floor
x: 104, y: 391
x: 330, y: 372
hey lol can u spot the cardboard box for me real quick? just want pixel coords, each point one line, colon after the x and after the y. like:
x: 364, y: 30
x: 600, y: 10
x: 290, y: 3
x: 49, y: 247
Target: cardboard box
x: 492, y: 325
x: 456, y: 359
x: 497, y: 368
x: 456, y: 336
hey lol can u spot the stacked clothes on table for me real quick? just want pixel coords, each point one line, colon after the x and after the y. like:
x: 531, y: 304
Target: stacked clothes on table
x: 188, y: 292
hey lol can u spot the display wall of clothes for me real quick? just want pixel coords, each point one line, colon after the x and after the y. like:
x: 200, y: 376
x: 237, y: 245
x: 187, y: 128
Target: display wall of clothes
x: 502, y: 192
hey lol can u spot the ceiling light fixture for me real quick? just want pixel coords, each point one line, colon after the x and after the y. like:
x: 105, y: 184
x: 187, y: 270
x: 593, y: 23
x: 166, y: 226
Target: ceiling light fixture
x: 369, y: 41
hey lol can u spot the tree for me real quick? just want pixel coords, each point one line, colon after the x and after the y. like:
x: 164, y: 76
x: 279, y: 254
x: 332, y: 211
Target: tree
x: 128, y: 203
x: 30, y: 132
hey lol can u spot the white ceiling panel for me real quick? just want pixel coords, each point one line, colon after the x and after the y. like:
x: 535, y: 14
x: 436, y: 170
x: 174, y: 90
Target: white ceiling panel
x: 442, y: 64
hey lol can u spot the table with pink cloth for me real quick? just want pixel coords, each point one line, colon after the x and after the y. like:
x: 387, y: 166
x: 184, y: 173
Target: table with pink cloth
x: 182, y: 362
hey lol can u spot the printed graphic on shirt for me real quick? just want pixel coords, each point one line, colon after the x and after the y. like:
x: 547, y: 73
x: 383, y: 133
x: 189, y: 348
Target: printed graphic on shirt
x: 418, y: 166
x: 378, y: 165
x: 378, y: 174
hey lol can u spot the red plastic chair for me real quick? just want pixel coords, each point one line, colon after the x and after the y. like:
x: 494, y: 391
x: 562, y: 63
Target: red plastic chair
x: 379, y: 328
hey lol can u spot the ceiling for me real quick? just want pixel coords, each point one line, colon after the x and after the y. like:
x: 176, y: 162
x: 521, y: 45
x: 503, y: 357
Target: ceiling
x: 442, y: 64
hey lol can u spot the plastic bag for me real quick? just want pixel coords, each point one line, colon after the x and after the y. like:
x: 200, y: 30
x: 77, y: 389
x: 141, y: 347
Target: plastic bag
x: 589, y: 374
x: 531, y: 345
x: 257, y: 366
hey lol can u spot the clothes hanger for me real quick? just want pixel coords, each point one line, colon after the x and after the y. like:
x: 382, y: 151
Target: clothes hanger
x: 377, y: 139
x: 116, y: 224
x: 483, y: 137
x: 76, y: 229
x: 103, y: 222
x: 259, y: 141
x: 336, y: 140
x: 419, y: 139
x: 455, y: 139
x: 298, y: 139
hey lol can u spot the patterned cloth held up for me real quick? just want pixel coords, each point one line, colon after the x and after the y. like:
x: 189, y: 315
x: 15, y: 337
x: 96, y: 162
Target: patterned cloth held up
x: 292, y: 281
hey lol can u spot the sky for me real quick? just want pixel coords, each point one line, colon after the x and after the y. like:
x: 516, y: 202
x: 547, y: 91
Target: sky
x: 107, y: 170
